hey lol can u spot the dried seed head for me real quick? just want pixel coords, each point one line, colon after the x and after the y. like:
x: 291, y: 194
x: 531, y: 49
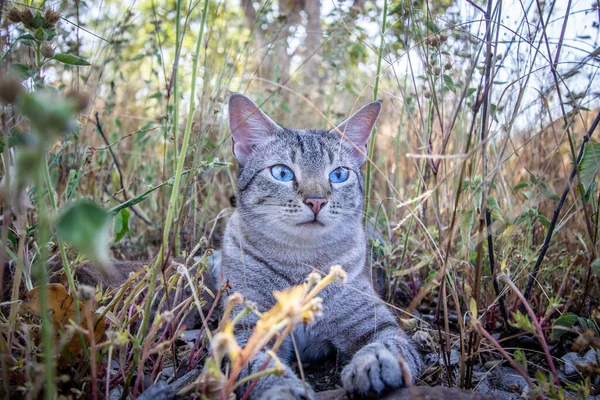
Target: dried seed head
x: 82, y: 100
x: 437, y: 70
x: 168, y: 316
x: 27, y: 16
x: 313, y: 278
x: 224, y: 343
x: 251, y: 305
x: 338, y: 273
x: 14, y: 15
x: 10, y: 90
x: 85, y: 292
x: 427, y: 95
x: 316, y: 306
x: 448, y: 66
x: 51, y: 17
x: 47, y: 51
x: 443, y: 37
x: 235, y: 299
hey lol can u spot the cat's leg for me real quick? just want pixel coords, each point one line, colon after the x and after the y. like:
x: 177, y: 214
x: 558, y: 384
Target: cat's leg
x: 273, y: 387
x: 381, y: 353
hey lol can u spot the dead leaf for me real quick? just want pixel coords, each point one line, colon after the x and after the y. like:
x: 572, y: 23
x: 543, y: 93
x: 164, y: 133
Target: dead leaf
x: 60, y: 303
x: 62, y: 309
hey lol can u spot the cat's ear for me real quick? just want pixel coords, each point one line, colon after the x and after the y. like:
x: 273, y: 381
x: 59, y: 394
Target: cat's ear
x: 248, y: 125
x: 358, y: 127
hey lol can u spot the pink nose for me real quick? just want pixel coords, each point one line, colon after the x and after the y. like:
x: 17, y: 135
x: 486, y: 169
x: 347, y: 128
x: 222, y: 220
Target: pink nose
x: 316, y: 203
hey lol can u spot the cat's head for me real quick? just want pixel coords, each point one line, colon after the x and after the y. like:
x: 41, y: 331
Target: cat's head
x: 299, y: 184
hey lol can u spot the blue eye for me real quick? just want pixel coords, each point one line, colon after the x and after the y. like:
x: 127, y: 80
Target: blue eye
x: 339, y: 175
x: 282, y: 173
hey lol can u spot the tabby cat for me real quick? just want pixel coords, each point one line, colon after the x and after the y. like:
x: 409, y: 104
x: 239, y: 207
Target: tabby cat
x: 300, y: 209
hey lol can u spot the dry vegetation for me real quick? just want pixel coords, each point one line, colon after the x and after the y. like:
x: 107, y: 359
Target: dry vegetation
x: 115, y: 147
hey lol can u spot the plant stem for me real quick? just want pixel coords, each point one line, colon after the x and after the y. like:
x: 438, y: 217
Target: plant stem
x: 540, y: 333
x: 374, y: 132
x: 178, y: 173
x: 47, y: 331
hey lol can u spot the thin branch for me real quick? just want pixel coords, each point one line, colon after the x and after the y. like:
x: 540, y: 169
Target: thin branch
x: 112, y: 153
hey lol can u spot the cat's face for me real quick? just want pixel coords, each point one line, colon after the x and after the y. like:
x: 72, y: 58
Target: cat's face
x: 299, y: 185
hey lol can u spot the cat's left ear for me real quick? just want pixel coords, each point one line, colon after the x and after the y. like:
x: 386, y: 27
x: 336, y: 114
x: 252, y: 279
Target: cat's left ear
x: 249, y: 126
x: 358, y: 127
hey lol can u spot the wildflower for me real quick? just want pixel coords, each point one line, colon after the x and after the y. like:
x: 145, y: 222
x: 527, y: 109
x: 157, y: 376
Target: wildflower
x: 279, y: 368
x: 27, y: 16
x: 168, y: 316
x: 14, y: 15
x: 47, y: 51
x: 225, y: 343
x: 51, y: 17
x: 338, y: 273
x: 235, y: 299
x: 10, y: 90
x: 313, y: 278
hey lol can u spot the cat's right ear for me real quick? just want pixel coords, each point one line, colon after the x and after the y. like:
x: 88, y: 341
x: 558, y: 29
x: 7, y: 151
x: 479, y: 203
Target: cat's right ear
x: 249, y: 126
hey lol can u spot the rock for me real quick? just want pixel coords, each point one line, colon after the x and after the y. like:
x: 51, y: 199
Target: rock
x: 572, y: 360
x: 414, y: 393
x: 116, y: 393
x: 185, y: 380
x: 425, y: 342
x: 158, y: 391
x: 432, y: 358
x: 190, y: 335
x: 503, y: 395
x: 509, y: 380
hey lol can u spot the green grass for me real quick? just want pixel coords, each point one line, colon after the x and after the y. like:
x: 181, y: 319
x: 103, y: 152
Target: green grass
x: 485, y: 112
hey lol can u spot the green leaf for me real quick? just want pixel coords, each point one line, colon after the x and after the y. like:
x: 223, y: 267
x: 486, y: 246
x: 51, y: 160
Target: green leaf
x: 522, y: 322
x: 22, y: 70
x: 549, y: 193
x: 544, y: 221
x: 84, y: 225
x: 121, y: 224
x: 72, y: 183
x: 521, y: 358
x: 449, y: 82
x: 596, y: 267
x: 285, y: 108
x: 590, y: 162
x: 520, y: 186
x: 70, y: 59
x: 562, y: 324
x: 432, y: 27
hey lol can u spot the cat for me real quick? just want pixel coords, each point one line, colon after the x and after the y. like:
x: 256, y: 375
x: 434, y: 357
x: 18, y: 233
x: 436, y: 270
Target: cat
x: 300, y: 209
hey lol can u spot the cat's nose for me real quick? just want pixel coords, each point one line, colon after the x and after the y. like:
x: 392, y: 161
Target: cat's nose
x: 316, y: 203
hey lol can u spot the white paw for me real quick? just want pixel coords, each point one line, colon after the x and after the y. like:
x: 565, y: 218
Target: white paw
x: 374, y: 370
x: 291, y: 391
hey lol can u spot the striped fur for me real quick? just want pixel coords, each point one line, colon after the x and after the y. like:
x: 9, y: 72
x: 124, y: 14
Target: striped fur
x: 267, y: 247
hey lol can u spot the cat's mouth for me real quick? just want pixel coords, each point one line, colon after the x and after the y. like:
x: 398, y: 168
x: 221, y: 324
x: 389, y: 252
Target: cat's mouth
x: 314, y: 222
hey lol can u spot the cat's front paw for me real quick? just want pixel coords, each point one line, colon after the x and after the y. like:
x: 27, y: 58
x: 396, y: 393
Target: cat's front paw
x: 373, y: 371
x: 292, y: 391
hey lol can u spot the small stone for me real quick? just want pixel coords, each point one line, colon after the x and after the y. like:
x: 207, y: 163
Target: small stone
x: 572, y: 360
x: 185, y: 380
x: 158, y: 391
x: 510, y: 380
x: 116, y: 393
x: 433, y: 358
x: 190, y: 335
